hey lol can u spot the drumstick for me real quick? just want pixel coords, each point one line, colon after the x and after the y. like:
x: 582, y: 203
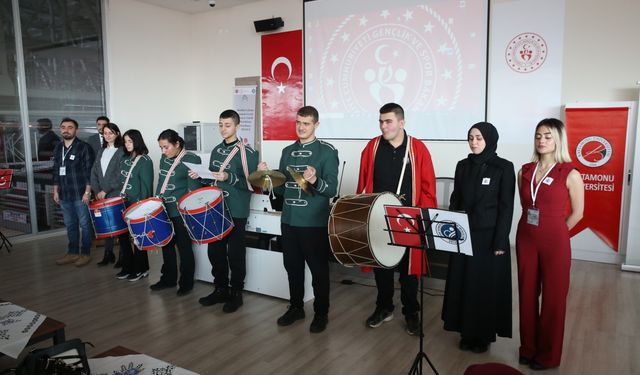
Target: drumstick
x: 340, y: 183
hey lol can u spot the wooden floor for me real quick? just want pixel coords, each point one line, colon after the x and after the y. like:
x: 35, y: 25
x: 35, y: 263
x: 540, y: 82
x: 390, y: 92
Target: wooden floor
x: 602, y: 329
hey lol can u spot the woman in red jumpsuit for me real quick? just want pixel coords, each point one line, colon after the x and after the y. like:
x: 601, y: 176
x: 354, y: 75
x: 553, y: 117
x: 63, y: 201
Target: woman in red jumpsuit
x: 548, y: 186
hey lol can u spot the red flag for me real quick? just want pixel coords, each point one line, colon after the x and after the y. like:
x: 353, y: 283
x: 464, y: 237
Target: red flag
x: 403, y: 223
x: 281, y: 84
x: 5, y: 178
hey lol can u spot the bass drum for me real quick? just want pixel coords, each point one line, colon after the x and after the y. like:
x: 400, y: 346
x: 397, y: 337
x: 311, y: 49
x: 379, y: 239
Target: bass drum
x: 358, y: 232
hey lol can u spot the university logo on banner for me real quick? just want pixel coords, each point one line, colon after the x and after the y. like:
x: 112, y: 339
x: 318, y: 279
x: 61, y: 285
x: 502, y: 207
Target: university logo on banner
x: 597, y: 142
x: 282, y: 94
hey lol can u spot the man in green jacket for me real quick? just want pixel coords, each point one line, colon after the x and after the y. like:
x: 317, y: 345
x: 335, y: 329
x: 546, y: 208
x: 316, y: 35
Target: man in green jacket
x: 230, y: 164
x: 305, y: 214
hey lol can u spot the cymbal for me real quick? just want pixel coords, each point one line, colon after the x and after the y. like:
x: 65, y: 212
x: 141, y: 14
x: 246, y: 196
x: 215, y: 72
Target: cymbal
x: 261, y: 179
x: 304, y: 184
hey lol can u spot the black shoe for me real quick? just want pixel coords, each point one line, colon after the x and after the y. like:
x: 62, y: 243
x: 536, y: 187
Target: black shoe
x: 538, y: 366
x: 464, y: 345
x: 292, y: 314
x: 122, y: 275
x: 234, y: 302
x: 137, y: 276
x: 183, y: 291
x: 319, y: 323
x: 480, y: 347
x: 378, y: 317
x: 413, y: 324
x: 108, y: 258
x: 219, y: 295
x: 524, y: 361
x: 160, y: 285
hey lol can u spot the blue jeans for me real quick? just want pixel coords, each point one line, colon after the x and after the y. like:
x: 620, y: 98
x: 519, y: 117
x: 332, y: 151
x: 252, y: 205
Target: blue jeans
x: 76, y: 214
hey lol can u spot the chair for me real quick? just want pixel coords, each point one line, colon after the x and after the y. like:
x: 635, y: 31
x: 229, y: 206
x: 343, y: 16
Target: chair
x: 444, y: 188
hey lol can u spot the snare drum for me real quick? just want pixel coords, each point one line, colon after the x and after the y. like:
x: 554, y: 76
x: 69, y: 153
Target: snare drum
x: 357, y: 231
x: 205, y: 215
x: 149, y: 224
x: 106, y: 216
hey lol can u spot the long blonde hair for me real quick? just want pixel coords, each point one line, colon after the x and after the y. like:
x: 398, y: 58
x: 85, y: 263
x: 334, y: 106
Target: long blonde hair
x: 559, y: 135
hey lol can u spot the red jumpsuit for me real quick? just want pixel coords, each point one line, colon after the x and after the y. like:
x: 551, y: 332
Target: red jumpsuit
x: 544, y: 261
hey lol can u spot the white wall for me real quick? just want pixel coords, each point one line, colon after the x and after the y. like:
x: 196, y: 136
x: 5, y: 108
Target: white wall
x: 150, y: 73
x: 167, y: 68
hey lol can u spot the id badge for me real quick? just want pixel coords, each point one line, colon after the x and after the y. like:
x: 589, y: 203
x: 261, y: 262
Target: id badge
x: 533, y: 216
x: 63, y: 171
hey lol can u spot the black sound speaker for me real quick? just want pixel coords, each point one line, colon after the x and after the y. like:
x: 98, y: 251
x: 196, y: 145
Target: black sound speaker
x: 269, y: 24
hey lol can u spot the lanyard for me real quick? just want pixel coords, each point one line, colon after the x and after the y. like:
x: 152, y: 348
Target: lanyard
x: 534, y: 192
x: 64, y: 154
x: 239, y: 146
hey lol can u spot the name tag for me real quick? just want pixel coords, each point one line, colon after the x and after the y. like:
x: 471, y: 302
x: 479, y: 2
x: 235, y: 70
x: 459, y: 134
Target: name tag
x: 63, y: 171
x: 533, y: 216
x: 97, y: 213
x: 72, y: 157
x: 547, y: 181
x: 486, y: 181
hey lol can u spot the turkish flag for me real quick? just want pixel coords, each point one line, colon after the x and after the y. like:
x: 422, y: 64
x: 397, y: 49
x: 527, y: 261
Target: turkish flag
x: 282, y: 93
x: 5, y: 178
x: 403, y: 225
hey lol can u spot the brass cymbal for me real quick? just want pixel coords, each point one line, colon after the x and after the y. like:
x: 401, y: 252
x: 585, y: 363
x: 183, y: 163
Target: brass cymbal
x: 261, y: 179
x: 304, y: 184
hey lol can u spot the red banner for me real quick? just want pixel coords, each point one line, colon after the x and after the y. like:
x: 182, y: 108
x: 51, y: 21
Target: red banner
x: 597, y: 140
x: 282, y: 94
x: 5, y: 178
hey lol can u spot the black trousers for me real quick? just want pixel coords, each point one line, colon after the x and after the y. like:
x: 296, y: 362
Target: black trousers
x: 133, y: 259
x: 311, y: 245
x: 169, y: 269
x: 408, y: 287
x: 229, y: 253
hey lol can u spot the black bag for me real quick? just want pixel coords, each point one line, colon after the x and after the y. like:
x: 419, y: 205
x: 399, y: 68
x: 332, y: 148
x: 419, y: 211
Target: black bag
x: 67, y: 358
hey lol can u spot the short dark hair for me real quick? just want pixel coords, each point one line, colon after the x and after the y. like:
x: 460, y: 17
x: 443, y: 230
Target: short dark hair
x: 172, y: 137
x: 233, y: 115
x: 69, y: 119
x: 114, y: 128
x: 139, y: 148
x: 393, y: 107
x: 44, y: 123
x: 307, y: 111
x: 104, y: 118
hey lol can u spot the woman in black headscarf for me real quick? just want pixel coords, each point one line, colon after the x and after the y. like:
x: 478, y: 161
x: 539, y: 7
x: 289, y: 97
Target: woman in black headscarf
x: 477, y: 300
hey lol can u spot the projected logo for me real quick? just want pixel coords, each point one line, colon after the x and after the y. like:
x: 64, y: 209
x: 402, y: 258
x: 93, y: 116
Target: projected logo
x: 526, y: 52
x: 451, y: 232
x: 407, y: 55
x: 594, y: 151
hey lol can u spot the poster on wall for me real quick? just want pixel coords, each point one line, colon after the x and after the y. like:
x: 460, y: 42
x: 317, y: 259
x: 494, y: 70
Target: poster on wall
x: 281, y: 79
x: 597, y: 138
x: 244, y: 102
x: 525, y: 70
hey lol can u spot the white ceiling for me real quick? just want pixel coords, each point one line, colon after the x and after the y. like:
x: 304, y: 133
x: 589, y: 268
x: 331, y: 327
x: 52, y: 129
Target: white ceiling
x: 196, y: 6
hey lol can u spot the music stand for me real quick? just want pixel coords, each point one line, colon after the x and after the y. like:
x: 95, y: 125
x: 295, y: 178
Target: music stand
x: 419, y: 229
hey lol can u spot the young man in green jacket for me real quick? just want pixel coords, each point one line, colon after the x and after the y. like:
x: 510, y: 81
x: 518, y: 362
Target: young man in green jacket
x: 305, y: 215
x: 230, y: 164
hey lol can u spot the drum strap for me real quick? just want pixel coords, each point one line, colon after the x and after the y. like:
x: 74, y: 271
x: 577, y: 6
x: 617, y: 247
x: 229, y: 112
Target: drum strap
x: 126, y: 182
x: 404, y: 164
x: 173, y: 167
x: 243, y: 155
